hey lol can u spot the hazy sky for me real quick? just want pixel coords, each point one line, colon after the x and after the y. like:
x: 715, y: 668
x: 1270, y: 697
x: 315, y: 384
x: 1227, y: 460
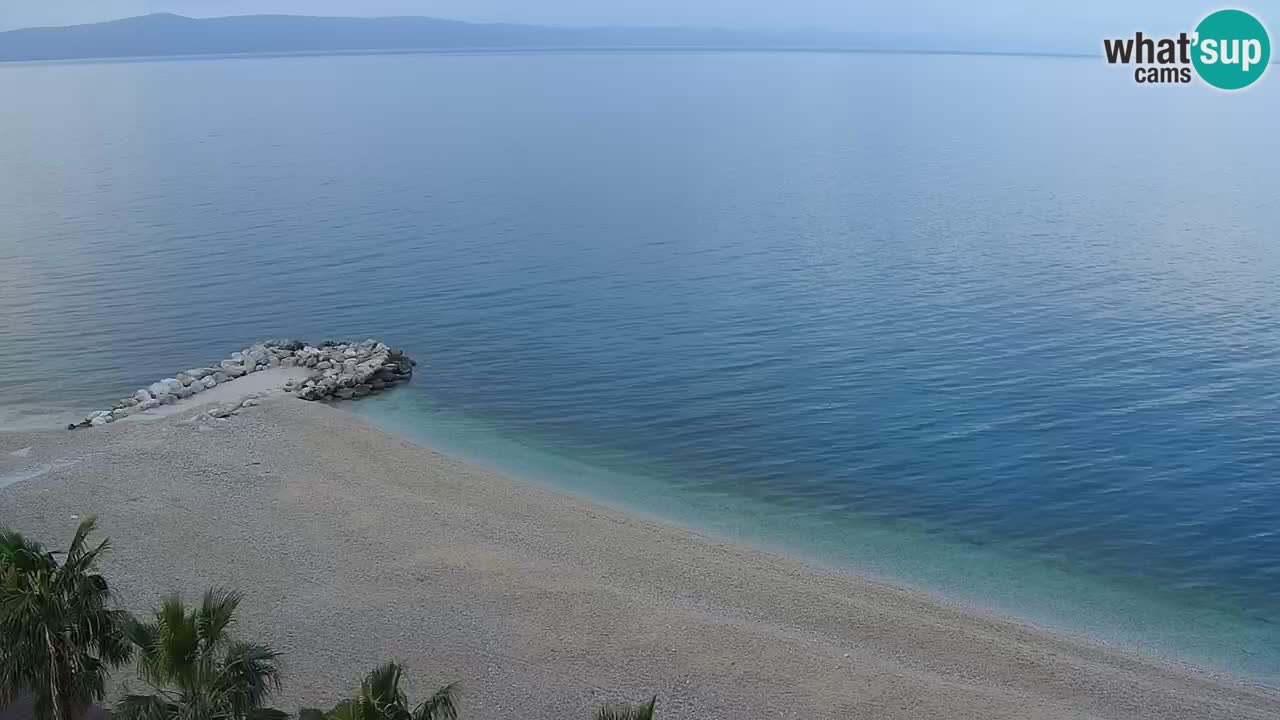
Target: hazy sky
x: 1071, y: 19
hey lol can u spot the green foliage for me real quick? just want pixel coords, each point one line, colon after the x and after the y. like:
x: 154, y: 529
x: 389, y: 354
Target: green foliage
x: 199, y: 672
x: 59, y: 636
x: 619, y: 711
x: 380, y: 698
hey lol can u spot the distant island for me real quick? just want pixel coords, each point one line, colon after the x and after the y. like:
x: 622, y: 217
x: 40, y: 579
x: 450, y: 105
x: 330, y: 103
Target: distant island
x: 162, y: 35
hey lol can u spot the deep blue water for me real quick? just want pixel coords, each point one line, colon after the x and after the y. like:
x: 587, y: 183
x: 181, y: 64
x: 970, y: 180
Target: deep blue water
x: 1004, y: 328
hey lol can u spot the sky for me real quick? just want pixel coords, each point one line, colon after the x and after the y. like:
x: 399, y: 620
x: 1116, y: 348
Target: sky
x: 1058, y: 20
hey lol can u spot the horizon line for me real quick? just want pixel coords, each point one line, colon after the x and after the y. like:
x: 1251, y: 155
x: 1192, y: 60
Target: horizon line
x: 491, y: 23
x: 828, y: 35
x: 516, y: 49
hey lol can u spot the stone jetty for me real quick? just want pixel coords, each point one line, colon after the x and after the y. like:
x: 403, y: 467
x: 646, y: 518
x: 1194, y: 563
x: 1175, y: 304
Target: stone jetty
x: 337, y: 371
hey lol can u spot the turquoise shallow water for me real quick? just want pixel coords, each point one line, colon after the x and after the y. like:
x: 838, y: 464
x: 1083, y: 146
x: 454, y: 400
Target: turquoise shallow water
x: 1122, y: 610
x: 1005, y: 328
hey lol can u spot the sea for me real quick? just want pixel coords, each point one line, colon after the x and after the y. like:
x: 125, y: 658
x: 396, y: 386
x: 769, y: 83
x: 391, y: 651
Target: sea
x: 1004, y: 329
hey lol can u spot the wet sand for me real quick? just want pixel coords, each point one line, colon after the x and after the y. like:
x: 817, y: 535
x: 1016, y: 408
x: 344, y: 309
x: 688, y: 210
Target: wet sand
x: 354, y: 546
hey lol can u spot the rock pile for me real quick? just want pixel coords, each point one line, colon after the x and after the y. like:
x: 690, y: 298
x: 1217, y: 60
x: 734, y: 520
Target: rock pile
x: 346, y: 371
x: 339, y: 370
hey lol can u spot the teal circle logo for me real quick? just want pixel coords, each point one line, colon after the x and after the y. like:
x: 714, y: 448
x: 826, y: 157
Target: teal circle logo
x: 1232, y: 49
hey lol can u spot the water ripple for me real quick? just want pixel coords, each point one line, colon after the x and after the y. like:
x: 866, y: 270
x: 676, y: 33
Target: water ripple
x: 968, y: 323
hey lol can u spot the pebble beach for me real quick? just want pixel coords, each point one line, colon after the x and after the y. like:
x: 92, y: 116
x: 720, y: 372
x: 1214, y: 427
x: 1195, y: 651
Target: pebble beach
x: 354, y: 546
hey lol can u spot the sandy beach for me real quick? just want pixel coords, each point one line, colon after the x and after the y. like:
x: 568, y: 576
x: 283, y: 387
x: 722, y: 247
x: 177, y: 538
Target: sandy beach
x: 354, y: 546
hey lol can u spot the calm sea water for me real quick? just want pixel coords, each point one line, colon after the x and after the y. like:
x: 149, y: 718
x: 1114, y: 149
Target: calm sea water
x: 1003, y: 328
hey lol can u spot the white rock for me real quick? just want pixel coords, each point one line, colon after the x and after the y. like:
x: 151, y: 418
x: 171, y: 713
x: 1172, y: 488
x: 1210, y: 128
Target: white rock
x: 165, y: 387
x: 142, y: 396
x: 149, y: 404
x: 100, y: 420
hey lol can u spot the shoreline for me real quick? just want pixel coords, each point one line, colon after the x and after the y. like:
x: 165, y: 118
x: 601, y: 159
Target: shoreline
x: 1128, y: 614
x: 402, y: 552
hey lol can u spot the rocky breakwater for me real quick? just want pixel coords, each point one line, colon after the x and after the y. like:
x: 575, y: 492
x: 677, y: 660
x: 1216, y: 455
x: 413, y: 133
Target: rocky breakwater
x: 335, y: 370
x: 346, y: 371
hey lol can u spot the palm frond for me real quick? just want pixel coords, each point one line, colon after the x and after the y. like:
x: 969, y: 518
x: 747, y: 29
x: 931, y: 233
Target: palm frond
x: 11, y: 682
x: 250, y: 673
x: 145, y: 638
x: 623, y: 711
x: 59, y: 636
x: 176, y: 657
x: 380, y: 698
x: 345, y: 710
x: 78, y: 570
x: 144, y: 707
x: 84, y: 680
x: 77, y: 556
x: 217, y: 612
x: 172, y: 612
x: 111, y: 642
x: 22, y: 554
x: 440, y: 706
x: 383, y: 683
x: 210, y: 676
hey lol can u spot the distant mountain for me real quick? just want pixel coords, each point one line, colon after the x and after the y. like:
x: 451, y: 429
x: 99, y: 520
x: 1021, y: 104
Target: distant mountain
x: 170, y: 35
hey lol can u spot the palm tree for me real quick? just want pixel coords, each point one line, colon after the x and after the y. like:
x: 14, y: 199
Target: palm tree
x: 621, y: 711
x: 380, y: 698
x: 199, y: 672
x: 59, y: 636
